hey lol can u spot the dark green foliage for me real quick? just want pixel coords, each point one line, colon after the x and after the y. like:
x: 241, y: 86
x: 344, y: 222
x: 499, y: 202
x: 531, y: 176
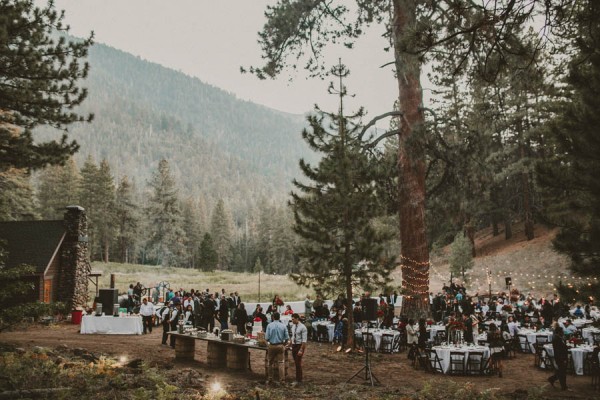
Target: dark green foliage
x: 166, y: 238
x: 208, y: 255
x: 16, y: 196
x: 39, y: 73
x: 334, y: 211
x: 58, y: 187
x: 17, y: 294
x: 571, y: 174
x: 128, y: 221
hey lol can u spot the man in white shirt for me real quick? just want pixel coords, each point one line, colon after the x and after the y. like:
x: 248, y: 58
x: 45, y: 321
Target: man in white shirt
x: 513, y: 327
x: 298, y: 341
x: 147, y: 311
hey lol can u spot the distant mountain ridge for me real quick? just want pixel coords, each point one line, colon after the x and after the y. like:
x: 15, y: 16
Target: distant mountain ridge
x: 217, y: 145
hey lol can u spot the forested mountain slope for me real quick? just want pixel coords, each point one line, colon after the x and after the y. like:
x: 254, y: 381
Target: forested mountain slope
x: 217, y: 145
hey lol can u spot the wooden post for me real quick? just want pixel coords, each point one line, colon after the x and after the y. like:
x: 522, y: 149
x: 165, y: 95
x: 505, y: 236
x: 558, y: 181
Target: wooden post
x: 112, y: 281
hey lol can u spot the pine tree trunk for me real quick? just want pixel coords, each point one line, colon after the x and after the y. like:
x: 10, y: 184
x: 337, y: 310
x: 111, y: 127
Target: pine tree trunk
x: 507, y: 226
x: 414, y: 253
x: 527, y: 215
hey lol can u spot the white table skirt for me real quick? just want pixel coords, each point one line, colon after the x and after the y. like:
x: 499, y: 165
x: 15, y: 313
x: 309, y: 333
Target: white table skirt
x: 329, y: 325
x: 433, y: 329
x: 531, y: 335
x: 587, y: 334
x: 443, y: 352
x: 577, y: 353
x: 111, y: 325
x: 377, y: 335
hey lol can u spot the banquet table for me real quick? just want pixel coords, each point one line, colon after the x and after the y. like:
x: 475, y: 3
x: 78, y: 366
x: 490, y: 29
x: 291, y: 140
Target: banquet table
x: 531, y: 337
x: 433, y: 330
x: 377, y: 335
x: 443, y: 352
x: 578, y: 322
x: 588, y: 334
x: 330, y: 327
x: 577, y: 354
x: 108, y: 325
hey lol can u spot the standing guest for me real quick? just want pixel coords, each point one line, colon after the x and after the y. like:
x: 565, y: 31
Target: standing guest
x: 208, y: 314
x: 197, y: 310
x: 231, y: 306
x: 147, y: 311
x: 237, y: 298
x: 307, y: 306
x: 189, y: 315
x: 130, y: 301
x: 170, y: 295
x: 277, y: 336
x: 223, y: 313
x: 241, y: 318
x: 298, y: 340
x: 174, y: 321
x: 155, y: 295
x: 165, y: 316
x: 411, y: 333
x: 258, y: 313
x: 496, y: 344
x: 422, y: 333
x: 561, y: 356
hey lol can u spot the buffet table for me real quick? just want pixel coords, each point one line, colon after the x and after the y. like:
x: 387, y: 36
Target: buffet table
x: 108, y: 325
x: 221, y: 353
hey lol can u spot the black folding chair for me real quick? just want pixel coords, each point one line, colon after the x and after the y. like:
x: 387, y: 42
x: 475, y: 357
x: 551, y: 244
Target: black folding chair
x: 457, y: 363
x: 435, y: 363
x: 475, y: 363
x: 387, y: 343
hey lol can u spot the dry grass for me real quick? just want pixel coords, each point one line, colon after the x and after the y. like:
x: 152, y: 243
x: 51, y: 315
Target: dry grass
x: 533, y: 266
x: 245, y: 284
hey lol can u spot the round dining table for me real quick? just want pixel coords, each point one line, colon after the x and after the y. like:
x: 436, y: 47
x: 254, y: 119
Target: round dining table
x: 443, y: 352
x: 577, y: 354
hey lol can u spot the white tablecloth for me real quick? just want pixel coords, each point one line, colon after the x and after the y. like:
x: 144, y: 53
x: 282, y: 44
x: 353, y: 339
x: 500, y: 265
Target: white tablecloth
x: 531, y: 337
x: 330, y: 328
x: 377, y: 335
x: 587, y: 334
x: 297, y: 306
x: 112, y: 325
x: 443, y: 352
x: 580, y: 322
x: 577, y: 353
x: 433, y: 330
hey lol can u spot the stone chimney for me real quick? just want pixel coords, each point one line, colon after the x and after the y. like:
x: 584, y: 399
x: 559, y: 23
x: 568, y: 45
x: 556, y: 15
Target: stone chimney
x: 75, y: 265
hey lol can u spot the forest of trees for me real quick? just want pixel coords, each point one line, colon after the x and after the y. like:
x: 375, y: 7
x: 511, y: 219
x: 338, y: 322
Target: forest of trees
x: 185, y: 174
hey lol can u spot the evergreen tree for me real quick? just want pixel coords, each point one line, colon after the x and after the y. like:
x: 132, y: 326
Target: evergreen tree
x: 166, y: 237
x: 59, y: 187
x: 193, y: 231
x: 221, y: 227
x: 16, y: 196
x: 461, y: 255
x: 467, y: 31
x: 38, y: 83
x: 333, y: 212
x: 88, y: 195
x: 128, y: 221
x: 571, y: 174
x: 208, y: 256
x: 105, y: 215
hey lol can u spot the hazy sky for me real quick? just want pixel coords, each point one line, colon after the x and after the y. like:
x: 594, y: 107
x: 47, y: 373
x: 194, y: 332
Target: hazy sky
x: 211, y: 39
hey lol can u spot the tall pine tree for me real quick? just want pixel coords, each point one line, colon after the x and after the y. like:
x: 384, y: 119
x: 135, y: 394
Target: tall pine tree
x: 334, y: 211
x: 572, y: 173
x: 221, y: 228
x: 128, y: 220
x: 166, y: 237
x: 58, y: 187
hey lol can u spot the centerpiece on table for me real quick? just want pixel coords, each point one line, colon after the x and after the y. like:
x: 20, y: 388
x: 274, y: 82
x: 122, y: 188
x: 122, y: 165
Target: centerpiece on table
x: 455, y: 331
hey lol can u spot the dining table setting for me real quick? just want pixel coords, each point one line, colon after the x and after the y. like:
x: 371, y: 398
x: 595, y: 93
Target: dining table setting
x: 443, y: 353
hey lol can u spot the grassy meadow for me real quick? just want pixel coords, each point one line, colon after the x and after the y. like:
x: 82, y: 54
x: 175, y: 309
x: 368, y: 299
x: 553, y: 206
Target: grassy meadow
x: 246, y: 284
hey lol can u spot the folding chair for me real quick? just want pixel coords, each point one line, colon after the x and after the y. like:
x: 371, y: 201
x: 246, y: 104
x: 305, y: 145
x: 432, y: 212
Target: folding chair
x: 523, y: 343
x: 435, y: 363
x: 457, y: 363
x: 387, y: 343
x: 322, y: 334
x: 475, y: 363
x: 369, y: 341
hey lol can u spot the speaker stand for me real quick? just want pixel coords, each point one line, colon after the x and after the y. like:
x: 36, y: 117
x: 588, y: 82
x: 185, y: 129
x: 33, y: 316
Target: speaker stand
x: 368, y: 372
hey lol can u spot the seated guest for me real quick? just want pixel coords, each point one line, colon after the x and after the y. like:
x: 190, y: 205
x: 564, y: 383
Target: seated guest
x: 513, y: 327
x: 569, y: 328
x: 578, y: 313
x: 288, y: 310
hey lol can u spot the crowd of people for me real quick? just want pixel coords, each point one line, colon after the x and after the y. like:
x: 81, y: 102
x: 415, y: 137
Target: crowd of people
x: 501, y: 317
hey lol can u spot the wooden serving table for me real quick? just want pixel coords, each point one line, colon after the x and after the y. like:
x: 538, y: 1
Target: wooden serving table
x: 221, y: 353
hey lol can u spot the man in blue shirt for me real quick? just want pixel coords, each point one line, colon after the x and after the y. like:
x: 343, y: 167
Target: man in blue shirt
x: 277, y: 335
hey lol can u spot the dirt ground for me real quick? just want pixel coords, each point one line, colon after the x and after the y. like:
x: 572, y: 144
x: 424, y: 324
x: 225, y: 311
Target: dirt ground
x: 323, y: 368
